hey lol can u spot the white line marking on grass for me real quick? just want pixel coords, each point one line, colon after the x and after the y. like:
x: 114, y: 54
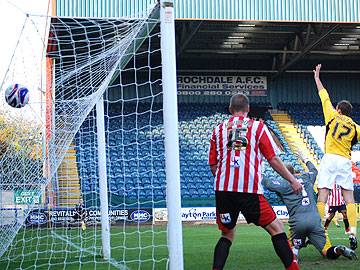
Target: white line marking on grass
x: 112, y: 261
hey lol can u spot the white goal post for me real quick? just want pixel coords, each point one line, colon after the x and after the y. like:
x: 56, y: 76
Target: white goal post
x: 103, y: 188
x: 168, y: 56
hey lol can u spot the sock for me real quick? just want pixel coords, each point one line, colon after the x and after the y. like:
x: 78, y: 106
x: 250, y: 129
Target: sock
x: 321, y: 209
x: 327, y: 222
x: 283, y: 250
x: 346, y: 223
x: 351, y: 214
x: 83, y: 225
x: 331, y: 253
x: 296, y: 252
x: 221, y: 253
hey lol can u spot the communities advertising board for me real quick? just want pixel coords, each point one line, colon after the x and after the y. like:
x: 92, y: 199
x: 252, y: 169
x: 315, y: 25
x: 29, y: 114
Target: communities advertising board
x: 209, y: 85
x: 62, y: 217
x: 208, y: 213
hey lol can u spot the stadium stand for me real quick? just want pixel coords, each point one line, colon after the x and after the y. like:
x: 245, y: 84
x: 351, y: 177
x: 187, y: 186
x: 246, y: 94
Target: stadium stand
x: 130, y: 177
x: 309, y: 114
x: 310, y: 141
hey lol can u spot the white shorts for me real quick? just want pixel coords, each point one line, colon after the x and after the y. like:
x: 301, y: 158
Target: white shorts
x: 335, y: 169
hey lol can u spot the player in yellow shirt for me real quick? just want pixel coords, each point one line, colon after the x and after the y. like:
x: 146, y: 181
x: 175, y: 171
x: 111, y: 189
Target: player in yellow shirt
x: 335, y: 167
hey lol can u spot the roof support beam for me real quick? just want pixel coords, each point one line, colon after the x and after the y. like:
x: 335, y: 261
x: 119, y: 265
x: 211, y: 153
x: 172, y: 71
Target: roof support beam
x: 307, y: 49
x: 308, y: 33
x: 273, y: 67
x: 293, y: 44
x: 300, y: 38
x: 296, y: 42
x: 186, y: 35
x: 284, y: 56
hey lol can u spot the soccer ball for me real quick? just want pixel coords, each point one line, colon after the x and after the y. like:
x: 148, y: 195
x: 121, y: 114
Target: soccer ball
x: 17, y: 95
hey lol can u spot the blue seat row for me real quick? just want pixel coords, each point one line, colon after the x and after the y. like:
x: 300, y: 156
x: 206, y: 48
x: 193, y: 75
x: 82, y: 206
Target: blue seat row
x: 136, y: 156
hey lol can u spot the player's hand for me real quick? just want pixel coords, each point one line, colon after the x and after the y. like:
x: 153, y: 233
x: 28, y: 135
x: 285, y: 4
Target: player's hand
x: 317, y: 71
x: 296, y: 186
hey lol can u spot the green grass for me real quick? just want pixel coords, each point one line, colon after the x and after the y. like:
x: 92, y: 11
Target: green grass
x: 252, y: 249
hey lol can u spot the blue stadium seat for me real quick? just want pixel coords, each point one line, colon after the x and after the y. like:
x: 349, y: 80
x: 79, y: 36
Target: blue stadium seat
x: 140, y: 162
x: 193, y: 193
x: 185, y: 194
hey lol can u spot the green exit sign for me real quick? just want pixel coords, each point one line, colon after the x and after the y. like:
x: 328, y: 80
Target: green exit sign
x: 27, y: 197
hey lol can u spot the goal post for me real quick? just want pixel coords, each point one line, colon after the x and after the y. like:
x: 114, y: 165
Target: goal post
x: 103, y: 187
x: 172, y: 163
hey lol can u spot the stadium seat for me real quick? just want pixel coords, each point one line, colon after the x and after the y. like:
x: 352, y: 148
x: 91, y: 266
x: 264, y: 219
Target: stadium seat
x: 137, y: 159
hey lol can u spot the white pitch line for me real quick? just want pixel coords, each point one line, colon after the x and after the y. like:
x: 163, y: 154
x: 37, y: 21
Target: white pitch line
x: 111, y: 261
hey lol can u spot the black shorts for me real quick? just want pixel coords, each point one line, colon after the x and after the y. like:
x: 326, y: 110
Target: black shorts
x: 254, y: 207
x: 339, y: 208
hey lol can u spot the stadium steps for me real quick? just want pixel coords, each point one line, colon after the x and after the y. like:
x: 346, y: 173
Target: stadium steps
x: 291, y: 135
x: 68, y: 178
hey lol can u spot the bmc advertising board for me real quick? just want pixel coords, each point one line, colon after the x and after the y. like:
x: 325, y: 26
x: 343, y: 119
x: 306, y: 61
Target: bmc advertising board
x: 62, y: 217
x: 207, y: 214
x: 206, y: 85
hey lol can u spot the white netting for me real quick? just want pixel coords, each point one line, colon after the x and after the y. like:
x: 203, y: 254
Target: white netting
x: 49, y: 166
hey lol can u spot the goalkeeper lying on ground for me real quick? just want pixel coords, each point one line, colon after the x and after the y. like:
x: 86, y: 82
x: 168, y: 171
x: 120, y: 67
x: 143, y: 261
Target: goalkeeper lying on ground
x: 304, y: 219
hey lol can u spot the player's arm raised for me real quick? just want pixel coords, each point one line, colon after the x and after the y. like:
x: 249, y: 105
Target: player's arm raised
x: 329, y: 111
x: 318, y: 82
x: 312, y: 169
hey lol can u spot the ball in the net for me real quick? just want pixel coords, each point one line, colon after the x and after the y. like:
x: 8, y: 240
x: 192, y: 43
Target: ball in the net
x: 17, y: 95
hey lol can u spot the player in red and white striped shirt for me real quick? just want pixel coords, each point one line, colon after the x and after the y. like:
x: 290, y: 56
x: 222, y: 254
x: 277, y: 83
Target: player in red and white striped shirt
x: 235, y: 158
x: 336, y: 203
x: 240, y: 170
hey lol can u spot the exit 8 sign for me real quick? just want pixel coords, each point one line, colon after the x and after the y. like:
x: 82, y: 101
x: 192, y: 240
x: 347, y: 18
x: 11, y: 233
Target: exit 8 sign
x: 27, y: 197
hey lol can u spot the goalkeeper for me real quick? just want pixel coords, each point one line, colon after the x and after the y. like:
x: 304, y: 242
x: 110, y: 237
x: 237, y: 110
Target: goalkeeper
x: 304, y: 219
x: 80, y: 214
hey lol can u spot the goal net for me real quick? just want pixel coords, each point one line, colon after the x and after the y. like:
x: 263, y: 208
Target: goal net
x: 52, y: 157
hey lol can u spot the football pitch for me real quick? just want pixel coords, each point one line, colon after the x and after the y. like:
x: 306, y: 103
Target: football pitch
x: 252, y: 249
